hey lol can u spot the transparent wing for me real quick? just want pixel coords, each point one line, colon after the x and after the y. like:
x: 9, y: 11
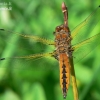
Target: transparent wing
x: 22, y: 44
x: 83, y: 48
x: 34, y: 38
x: 85, y: 28
x: 24, y: 40
x: 19, y: 44
x: 37, y: 62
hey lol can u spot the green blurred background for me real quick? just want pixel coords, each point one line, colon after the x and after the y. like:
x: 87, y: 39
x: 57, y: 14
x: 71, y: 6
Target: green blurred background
x: 39, y: 79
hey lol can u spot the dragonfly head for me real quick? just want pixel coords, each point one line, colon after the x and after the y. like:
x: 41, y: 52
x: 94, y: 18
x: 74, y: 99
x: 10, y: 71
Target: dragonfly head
x: 62, y: 28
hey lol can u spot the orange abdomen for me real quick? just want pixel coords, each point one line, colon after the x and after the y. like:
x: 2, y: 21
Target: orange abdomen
x: 64, y: 72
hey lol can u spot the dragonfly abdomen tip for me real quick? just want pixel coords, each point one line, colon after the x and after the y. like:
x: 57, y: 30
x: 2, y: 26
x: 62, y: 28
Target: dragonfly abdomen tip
x: 64, y: 96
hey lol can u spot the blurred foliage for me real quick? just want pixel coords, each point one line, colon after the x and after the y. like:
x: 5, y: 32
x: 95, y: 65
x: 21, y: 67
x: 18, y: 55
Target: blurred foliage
x: 39, y: 79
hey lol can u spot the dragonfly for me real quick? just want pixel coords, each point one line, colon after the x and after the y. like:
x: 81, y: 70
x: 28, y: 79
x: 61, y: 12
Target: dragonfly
x: 70, y: 47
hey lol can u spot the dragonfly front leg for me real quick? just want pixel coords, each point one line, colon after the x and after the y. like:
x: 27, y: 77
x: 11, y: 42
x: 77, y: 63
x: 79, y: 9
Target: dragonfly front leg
x: 55, y: 55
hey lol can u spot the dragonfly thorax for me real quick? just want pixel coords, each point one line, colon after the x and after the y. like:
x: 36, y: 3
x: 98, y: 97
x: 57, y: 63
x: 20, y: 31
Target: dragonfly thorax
x: 62, y: 40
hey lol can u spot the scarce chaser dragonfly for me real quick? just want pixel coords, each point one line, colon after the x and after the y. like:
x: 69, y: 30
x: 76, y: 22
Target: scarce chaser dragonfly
x: 70, y: 47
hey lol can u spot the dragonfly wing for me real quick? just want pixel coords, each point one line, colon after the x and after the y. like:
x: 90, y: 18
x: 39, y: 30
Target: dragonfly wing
x: 24, y: 44
x: 34, y: 38
x: 83, y: 30
x: 83, y: 48
x: 35, y: 62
